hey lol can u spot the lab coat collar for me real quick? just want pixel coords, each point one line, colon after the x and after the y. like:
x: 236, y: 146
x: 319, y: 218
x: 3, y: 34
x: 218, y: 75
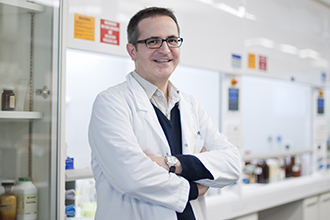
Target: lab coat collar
x: 143, y: 104
x: 186, y: 114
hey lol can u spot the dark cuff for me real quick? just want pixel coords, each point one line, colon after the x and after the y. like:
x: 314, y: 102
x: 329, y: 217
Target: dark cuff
x: 193, y: 193
x: 192, y: 168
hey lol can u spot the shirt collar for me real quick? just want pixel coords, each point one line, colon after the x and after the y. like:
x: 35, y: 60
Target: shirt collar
x: 151, y: 89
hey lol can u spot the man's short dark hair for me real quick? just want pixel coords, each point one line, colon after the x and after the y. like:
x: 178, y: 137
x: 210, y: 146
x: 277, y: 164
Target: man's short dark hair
x: 133, y: 32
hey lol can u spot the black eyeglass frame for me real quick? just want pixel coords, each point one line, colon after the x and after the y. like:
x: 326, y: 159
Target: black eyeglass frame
x: 158, y: 38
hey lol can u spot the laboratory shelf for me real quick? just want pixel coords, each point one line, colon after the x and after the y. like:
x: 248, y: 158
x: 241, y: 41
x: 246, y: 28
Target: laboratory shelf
x: 20, y: 115
x: 76, y: 174
x: 276, y: 154
x: 19, y: 6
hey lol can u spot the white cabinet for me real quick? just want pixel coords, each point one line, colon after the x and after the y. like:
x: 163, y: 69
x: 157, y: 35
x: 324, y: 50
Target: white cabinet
x: 310, y: 208
x: 324, y: 206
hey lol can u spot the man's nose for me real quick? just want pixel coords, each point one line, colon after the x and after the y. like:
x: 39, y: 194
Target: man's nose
x: 164, y: 48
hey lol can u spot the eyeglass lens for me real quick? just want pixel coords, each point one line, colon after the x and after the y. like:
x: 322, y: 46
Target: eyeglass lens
x: 157, y: 42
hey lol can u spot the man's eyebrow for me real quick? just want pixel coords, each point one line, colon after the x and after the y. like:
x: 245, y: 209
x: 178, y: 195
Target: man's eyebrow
x: 153, y: 37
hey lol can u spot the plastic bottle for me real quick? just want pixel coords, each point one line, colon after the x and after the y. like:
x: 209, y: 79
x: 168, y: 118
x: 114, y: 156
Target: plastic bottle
x: 27, y: 199
x: 274, y: 169
x: 8, y: 203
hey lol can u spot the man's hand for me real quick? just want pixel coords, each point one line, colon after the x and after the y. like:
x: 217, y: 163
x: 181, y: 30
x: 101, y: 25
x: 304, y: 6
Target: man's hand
x: 202, y: 189
x: 161, y: 162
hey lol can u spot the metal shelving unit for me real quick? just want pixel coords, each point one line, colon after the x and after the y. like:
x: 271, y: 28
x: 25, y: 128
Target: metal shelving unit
x: 20, y: 115
x: 19, y: 6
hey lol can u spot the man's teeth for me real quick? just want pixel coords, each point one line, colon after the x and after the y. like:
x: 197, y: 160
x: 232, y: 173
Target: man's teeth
x: 159, y: 61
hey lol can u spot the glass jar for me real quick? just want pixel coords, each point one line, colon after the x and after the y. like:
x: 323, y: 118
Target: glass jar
x: 8, y: 101
x: 8, y: 203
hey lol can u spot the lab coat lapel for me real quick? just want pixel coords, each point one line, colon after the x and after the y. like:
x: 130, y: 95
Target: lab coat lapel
x: 186, y: 113
x: 143, y: 104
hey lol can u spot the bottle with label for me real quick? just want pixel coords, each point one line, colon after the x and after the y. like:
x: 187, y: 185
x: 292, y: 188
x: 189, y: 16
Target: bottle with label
x: 262, y: 172
x: 27, y: 199
x: 274, y: 169
x: 296, y: 166
x: 8, y: 102
x: 287, y: 167
x: 8, y: 203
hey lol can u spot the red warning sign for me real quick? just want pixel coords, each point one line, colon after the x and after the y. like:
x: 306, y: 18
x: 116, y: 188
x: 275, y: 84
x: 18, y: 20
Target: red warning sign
x: 110, y: 32
x: 262, y: 62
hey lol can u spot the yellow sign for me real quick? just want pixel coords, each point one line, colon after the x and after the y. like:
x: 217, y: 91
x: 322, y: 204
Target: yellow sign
x: 252, y: 60
x: 84, y: 27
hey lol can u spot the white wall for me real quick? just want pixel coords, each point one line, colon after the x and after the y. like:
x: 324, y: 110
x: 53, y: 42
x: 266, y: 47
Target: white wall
x: 87, y: 75
x: 292, y: 34
x: 90, y: 73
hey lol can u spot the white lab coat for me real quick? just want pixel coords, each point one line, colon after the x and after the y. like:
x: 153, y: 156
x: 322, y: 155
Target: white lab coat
x: 124, y: 129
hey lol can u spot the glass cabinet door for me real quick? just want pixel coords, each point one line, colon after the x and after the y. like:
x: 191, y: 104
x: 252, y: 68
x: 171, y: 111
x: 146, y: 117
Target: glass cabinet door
x: 28, y: 83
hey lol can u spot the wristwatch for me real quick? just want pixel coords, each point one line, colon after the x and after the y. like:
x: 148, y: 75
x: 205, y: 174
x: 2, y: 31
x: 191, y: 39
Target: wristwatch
x: 171, y: 162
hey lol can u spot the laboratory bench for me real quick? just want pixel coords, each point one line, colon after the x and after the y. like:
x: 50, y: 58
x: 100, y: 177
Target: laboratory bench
x: 306, y: 197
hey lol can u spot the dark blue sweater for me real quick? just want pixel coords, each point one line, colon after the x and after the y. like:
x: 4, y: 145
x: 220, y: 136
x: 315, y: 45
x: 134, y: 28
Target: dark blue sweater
x: 192, y: 168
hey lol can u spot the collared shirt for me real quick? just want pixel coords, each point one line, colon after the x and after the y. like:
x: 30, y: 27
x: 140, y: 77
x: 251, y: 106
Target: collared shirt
x: 157, y: 97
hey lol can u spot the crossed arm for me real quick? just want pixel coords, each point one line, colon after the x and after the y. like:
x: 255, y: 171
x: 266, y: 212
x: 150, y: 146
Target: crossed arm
x: 178, y: 170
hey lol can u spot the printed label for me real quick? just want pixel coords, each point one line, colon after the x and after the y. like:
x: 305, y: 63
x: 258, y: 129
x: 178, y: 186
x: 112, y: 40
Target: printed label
x: 8, y: 207
x: 27, y: 204
x: 12, y: 102
x: 296, y: 168
x: 258, y: 171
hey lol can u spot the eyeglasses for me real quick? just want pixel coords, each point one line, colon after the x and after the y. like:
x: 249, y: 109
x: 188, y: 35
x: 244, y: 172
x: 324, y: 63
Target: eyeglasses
x: 157, y: 42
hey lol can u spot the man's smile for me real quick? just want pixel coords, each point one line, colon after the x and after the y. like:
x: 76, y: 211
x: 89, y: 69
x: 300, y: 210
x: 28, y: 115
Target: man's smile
x: 162, y: 61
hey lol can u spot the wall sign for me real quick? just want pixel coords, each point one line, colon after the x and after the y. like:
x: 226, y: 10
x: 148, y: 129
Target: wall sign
x: 262, y: 63
x: 110, y: 32
x: 323, y: 77
x: 236, y: 61
x: 251, y: 61
x: 84, y: 27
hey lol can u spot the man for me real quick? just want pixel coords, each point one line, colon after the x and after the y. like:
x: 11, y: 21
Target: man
x: 155, y: 150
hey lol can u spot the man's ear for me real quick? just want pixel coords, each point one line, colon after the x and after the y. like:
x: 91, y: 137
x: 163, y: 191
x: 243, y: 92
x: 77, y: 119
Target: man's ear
x: 131, y: 49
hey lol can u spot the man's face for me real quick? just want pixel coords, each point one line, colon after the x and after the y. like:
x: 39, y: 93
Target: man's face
x: 155, y: 65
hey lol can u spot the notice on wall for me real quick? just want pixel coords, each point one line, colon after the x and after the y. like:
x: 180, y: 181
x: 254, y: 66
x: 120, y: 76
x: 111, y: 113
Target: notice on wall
x: 251, y: 60
x: 110, y: 32
x: 236, y: 61
x: 262, y: 63
x: 84, y: 27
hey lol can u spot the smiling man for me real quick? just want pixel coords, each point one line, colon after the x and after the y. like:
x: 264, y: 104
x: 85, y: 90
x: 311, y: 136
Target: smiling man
x: 155, y: 151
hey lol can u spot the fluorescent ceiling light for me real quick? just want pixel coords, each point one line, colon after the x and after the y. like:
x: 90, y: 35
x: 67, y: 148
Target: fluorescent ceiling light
x: 86, y: 9
x: 210, y: 2
x: 240, y: 12
x: 259, y: 42
x: 309, y: 53
x: 287, y: 48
